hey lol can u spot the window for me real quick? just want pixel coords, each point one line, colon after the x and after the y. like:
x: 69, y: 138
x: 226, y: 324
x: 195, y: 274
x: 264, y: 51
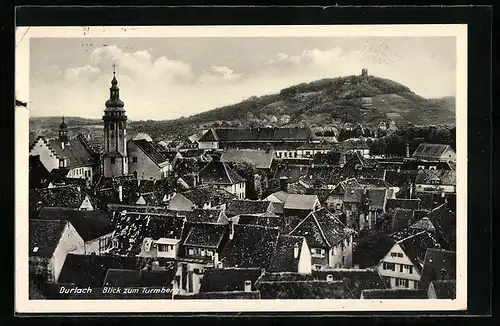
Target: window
x: 343, y: 260
x: 210, y: 253
x: 415, y: 284
x: 400, y: 255
x: 162, y: 247
x: 103, y: 244
x: 389, y: 266
x: 134, y: 159
x: 113, y: 160
x: 318, y: 252
x: 317, y: 267
x: 401, y: 268
x: 191, y: 251
x: 202, y: 252
x: 408, y: 269
x: 61, y: 163
x: 394, y: 254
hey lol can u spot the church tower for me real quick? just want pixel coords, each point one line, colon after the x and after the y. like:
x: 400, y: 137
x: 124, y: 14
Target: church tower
x: 115, y: 161
x: 63, y: 131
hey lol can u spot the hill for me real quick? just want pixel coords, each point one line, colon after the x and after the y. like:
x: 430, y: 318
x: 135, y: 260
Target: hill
x: 323, y: 103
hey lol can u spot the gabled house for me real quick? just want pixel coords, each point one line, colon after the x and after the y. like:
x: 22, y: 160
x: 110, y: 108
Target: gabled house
x: 436, y: 180
x: 261, y: 159
x: 74, y: 154
x: 148, y: 160
x: 65, y: 196
x: 222, y: 176
x: 94, y: 227
x: 439, y: 265
x: 292, y: 254
x: 329, y: 240
x: 202, y: 244
x: 250, y: 207
x: 402, y: 265
x: 200, y: 198
x: 300, y: 205
x: 49, y: 243
x: 442, y: 289
x: 435, y: 152
x: 249, y: 246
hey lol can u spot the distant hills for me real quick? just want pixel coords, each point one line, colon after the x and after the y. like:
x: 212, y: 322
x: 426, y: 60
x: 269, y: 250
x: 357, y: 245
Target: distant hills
x: 323, y: 103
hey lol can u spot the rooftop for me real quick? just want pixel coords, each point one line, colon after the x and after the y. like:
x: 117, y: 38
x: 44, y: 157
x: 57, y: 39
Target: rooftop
x: 44, y: 236
x: 262, y: 159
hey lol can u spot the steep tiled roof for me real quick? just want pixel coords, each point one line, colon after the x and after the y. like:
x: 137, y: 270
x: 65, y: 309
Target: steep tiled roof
x: 66, y: 196
x: 247, y: 207
x: 76, y: 150
x: 44, y: 236
x: 411, y: 204
x: 416, y: 246
x: 226, y: 295
x: 136, y: 278
x: 438, y: 264
x: 201, y: 195
x: 283, y: 259
x: 217, y: 172
x: 37, y: 172
x: 445, y: 177
x: 430, y: 150
x: 371, y: 249
x: 258, y: 134
x: 149, y: 199
x: 302, y: 202
x: 445, y: 289
x: 90, y: 270
x: 400, y: 178
x: 374, y: 182
x: 353, y: 195
x: 377, y: 197
x: 251, y: 246
x: 90, y: 225
x: 423, y: 224
x: 394, y: 294
x: 153, y: 151
x: 280, y: 195
x: 229, y: 279
x: 322, y: 193
x: 260, y: 158
x: 132, y: 228
x: 401, y: 219
x: 355, y: 280
x: 445, y: 222
x: 269, y: 221
x: 304, y: 290
x: 205, y: 235
x: 322, y: 228
x: 205, y: 216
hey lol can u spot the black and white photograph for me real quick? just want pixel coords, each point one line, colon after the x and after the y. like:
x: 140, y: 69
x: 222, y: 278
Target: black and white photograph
x: 254, y: 167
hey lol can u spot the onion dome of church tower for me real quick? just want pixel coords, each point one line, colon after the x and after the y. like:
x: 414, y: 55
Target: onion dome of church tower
x: 114, y: 103
x: 63, y: 125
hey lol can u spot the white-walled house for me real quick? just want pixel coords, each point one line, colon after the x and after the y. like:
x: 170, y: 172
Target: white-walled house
x: 148, y: 161
x: 292, y: 254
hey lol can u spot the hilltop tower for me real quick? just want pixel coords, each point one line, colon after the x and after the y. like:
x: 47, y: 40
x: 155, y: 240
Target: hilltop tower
x: 115, y: 161
x: 364, y: 72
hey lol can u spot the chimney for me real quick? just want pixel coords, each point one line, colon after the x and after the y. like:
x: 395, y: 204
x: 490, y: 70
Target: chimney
x: 407, y: 150
x: 296, y: 251
x: 329, y: 278
x: 284, y: 183
x: 248, y: 286
x: 231, y: 229
x: 62, y: 144
x: 120, y: 193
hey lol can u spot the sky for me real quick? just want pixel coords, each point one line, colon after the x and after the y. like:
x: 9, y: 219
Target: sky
x: 173, y: 77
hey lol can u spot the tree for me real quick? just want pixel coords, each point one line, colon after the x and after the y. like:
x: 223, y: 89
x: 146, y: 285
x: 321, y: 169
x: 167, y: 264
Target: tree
x: 248, y: 171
